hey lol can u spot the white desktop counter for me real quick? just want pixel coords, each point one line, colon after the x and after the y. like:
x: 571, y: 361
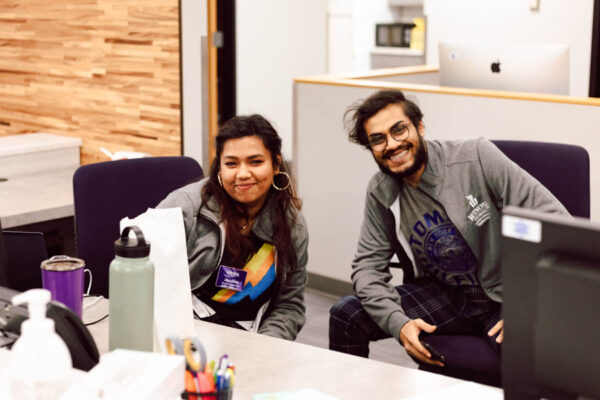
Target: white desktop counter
x: 39, y: 168
x: 265, y: 364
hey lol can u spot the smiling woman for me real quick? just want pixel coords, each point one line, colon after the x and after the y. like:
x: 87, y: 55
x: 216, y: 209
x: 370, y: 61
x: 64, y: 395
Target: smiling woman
x: 246, y: 237
x: 246, y: 172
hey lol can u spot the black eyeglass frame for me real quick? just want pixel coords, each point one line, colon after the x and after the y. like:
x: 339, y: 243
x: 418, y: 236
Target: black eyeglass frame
x: 398, y: 135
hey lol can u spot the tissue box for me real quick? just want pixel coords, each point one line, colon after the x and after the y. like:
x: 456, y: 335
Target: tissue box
x: 127, y: 374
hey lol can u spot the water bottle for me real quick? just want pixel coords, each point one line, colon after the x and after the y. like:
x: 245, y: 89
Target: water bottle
x: 131, y: 293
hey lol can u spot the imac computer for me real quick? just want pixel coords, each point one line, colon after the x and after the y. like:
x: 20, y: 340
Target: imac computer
x: 551, y: 295
x: 517, y: 67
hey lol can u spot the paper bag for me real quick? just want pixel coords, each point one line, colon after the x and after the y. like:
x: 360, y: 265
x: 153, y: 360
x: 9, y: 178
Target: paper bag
x: 173, y: 313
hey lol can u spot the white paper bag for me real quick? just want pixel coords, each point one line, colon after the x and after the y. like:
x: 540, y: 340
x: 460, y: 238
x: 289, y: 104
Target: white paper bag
x: 173, y: 314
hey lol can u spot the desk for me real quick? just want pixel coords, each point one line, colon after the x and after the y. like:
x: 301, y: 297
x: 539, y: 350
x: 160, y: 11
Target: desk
x: 39, y: 167
x: 41, y: 202
x: 38, y: 197
x: 265, y: 364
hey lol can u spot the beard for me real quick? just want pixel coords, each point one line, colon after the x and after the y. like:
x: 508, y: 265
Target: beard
x: 419, y: 160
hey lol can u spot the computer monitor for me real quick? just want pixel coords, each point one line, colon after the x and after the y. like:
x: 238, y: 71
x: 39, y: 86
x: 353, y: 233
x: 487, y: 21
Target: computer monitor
x: 24, y: 253
x: 551, y: 298
x: 517, y: 67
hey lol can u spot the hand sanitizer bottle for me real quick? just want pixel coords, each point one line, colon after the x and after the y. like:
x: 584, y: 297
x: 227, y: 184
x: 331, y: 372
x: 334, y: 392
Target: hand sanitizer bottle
x: 40, y: 361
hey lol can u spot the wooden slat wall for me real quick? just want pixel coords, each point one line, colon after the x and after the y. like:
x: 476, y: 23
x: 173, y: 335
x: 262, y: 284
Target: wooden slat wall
x: 106, y: 71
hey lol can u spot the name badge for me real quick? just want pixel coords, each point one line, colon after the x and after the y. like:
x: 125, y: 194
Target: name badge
x: 231, y: 278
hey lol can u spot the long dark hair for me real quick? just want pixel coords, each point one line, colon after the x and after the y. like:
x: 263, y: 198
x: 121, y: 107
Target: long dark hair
x: 285, y: 203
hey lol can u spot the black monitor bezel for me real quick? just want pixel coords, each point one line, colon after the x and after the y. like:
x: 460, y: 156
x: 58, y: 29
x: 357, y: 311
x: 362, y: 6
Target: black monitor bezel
x: 577, y: 238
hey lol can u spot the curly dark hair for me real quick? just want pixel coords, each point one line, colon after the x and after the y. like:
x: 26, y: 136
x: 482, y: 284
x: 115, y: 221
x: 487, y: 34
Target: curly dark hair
x: 357, y: 114
x: 285, y: 203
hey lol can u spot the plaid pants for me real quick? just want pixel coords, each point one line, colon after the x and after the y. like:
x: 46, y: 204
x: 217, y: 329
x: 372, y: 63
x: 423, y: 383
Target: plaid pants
x: 453, y: 309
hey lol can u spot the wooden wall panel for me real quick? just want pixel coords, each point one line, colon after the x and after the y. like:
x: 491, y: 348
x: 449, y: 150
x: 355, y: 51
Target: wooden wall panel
x: 106, y: 71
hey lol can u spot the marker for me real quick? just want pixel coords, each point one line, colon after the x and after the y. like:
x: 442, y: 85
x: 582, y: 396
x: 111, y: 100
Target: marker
x: 231, y: 376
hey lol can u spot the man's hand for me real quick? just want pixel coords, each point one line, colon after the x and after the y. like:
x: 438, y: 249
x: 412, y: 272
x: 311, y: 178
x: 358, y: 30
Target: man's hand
x: 409, y: 337
x: 499, y: 327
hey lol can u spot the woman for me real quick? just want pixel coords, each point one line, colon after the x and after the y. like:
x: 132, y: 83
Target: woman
x: 246, y: 238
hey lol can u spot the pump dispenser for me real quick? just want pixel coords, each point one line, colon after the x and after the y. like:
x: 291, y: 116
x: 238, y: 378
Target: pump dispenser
x: 40, y: 361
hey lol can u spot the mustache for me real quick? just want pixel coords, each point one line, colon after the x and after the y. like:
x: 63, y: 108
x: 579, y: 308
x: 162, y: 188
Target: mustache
x: 390, y: 153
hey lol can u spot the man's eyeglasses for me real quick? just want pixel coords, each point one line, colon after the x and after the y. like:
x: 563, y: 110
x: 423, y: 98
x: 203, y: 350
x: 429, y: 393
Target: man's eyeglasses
x: 378, y: 141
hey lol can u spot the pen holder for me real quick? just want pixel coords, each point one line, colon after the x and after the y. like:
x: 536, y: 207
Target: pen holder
x: 202, y: 380
x: 225, y: 394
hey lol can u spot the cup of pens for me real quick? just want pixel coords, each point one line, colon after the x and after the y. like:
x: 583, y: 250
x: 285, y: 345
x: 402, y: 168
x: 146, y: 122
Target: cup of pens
x: 223, y: 375
x: 203, y: 380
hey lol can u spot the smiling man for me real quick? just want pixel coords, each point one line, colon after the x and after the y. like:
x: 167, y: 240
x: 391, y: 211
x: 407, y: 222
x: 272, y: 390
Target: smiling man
x: 436, y: 205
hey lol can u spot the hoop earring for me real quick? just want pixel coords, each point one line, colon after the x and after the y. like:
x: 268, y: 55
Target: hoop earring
x: 289, y: 181
x: 219, y: 179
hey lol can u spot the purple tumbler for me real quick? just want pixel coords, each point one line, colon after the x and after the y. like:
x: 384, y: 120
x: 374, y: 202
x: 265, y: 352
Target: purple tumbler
x: 63, y: 276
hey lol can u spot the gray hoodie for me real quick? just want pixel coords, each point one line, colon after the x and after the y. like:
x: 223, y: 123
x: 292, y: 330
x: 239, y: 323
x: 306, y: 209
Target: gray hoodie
x: 205, y: 237
x: 473, y: 180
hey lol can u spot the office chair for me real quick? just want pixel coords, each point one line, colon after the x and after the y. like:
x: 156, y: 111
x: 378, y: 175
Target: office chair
x: 3, y: 263
x: 24, y: 253
x: 106, y: 192
x: 565, y: 171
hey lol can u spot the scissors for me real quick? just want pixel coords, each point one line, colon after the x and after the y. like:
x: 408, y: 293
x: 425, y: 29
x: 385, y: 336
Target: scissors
x: 198, y: 375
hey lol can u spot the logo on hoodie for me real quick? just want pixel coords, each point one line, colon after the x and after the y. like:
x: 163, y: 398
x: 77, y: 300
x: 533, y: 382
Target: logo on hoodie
x: 480, y: 212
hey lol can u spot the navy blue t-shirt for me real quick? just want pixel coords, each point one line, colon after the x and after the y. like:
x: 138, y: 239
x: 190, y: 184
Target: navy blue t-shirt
x: 438, y: 247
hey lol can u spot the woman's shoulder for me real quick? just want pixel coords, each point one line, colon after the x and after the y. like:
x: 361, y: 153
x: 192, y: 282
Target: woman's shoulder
x: 188, y: 196
x: 300, y: 220
x: 300, y: 228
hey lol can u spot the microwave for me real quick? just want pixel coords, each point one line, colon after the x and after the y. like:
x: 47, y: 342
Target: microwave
x: 396, y: 34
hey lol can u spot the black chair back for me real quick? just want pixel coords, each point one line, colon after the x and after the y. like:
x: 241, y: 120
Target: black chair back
x: 3, y: 264
x: 562, y: 168
x: 106, y: 192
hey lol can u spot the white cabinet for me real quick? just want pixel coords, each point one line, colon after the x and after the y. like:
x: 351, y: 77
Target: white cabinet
x: 32, y: 153
x: 405, y: 3
x: 351, y: 34
x: 389, y: 57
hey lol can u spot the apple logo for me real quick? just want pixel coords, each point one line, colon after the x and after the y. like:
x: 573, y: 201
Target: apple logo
x: 496, y: 66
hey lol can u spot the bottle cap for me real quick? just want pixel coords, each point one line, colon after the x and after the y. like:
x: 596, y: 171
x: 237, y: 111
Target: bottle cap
x: 132, y: 247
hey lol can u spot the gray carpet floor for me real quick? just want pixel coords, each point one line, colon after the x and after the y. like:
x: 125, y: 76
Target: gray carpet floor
x: 315, y: 331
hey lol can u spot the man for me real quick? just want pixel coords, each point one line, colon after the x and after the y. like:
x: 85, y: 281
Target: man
x: 436, y: 205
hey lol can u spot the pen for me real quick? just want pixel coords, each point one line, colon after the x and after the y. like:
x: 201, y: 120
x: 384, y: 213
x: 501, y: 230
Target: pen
x: 214, y: 372
x: 219, y: 380
x: 228, y: 379
x: 221, y: 360
x: 231, y: 373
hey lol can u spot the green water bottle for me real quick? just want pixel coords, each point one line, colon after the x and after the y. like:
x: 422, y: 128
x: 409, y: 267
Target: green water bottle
x: 131, y: 293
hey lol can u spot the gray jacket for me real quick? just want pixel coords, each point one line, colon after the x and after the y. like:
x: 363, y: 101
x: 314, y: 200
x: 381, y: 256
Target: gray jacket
x: 205, y: 236
x: 473, y: 180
